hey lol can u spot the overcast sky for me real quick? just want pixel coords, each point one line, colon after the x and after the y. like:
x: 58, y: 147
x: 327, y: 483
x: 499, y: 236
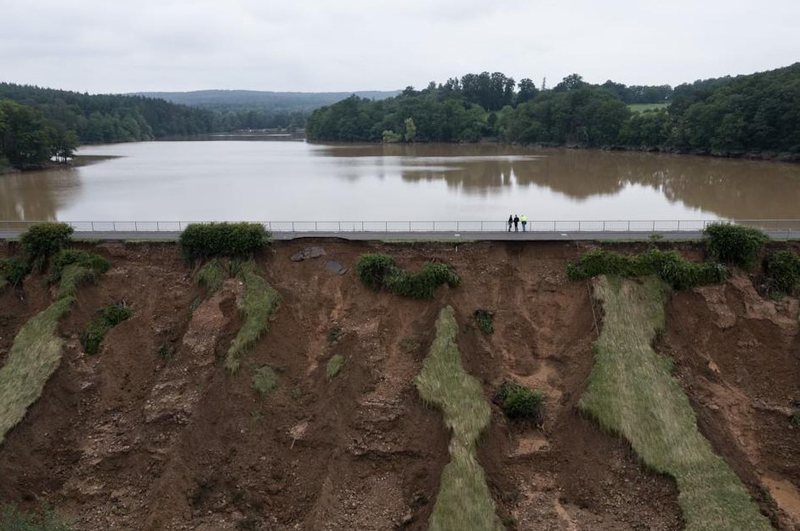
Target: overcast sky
x: 342, y: 45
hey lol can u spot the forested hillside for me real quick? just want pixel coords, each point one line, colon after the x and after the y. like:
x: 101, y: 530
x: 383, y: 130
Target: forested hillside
x: 37, y: 124
x: 756, y: 114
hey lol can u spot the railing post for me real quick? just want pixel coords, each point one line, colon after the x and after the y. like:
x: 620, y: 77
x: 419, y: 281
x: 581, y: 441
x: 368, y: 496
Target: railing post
x: 604, y: 226
x: 340, y: 226
x: 114, y: 225
x: 554, y: 225
x: 679, y: 225
x: 434, y: 226
x: 292, y: 226
x: 579, y: 225
x: 629, y: 225
x: 458, y: 226
x: 158, y: 226
x: 362, y: 226
x: 386, y: 226
x: 409, y: 226
x: 315, y: 227
x: 92, y: 226
x: 654, y: 226
x: 481, y: 226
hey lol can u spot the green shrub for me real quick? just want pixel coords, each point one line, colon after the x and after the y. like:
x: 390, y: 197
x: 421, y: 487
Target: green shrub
x: 13, y: 270
x: 379, y: 271
x: 783, y: 272
x: 110, y: 317
x: 335, y: 365
x: 734, y: 244
x: 485, y: 321
x: 43, y: 240
x: 520, y: 403
x: 12, y: 519
x: 334, y: 334
x: 373, y: 267
x: 670, y: 266
x: 265, y: 380
x: 232, y: 240
x: 68, y: 257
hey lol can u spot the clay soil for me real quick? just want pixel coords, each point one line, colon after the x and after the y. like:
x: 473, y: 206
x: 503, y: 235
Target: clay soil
x: 153, y: 433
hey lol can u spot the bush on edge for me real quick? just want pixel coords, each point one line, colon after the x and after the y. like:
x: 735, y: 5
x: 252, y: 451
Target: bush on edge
x: 734, y: 244
x: 520, y: 403
x: 670, y: 266
x: 232, y: 240
x: 43, y: 240
x: 110, y: 317
x: 783, y: 272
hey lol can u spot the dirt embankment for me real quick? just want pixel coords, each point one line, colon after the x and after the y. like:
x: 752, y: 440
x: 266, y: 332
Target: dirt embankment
x: 153, y: 433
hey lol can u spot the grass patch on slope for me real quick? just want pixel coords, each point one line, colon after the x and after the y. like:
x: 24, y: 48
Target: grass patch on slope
x: 334, y: 366
x: 12, y: 519
x: 265, y: 380
x: 212, y: 275
x: 258, y: 304
x: 33, y: 358
x: 109, y: 317
x: 631, y: 392
x: 464, y: 500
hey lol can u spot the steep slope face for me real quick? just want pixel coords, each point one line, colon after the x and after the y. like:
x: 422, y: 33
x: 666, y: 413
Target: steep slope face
x: 154, y: 433
x: 738, y: 357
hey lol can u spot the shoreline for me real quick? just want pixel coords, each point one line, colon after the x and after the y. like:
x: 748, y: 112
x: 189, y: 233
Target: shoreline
x: 75, y: 162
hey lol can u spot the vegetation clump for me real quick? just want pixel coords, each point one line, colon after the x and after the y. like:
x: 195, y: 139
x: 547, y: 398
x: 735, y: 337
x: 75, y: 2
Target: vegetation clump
x: 485, y: 321
x: 12, y: 271
x: 335, y: 365
x: 670, y: 266
x: 334, y: 334
x: 783, y: 272
x: 379, y: 271
x: 212, y: 275
x: 42, y: 241
x: 231, y: 240
x: 734, y: 244
x: 68, y: 257
x: 97, y: 329
x: 631, y: 391
x: 34, y: 356
x: 12, y: 519
x: 258, y: 304
x: 520, y: 403
x: 265, y: 380
x: 464, y: 500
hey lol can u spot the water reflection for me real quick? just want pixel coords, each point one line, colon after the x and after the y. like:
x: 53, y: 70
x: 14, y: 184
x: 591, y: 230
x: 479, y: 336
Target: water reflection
x: 729, y: 188
x: 36, y: 196
x: 294, y: 180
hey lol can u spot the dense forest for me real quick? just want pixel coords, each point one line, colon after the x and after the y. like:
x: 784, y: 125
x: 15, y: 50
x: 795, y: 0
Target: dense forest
x: 757, y: 115
x: 39, y: 124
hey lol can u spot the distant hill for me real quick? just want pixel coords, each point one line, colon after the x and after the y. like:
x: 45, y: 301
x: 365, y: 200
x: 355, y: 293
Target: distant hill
x: 239, y: 100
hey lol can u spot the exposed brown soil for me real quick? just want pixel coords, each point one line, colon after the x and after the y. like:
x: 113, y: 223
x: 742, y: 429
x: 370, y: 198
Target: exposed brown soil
x: 738, y: 357
x: 153, y: 433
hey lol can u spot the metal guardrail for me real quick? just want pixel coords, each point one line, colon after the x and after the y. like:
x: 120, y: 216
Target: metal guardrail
x: 566, y: 226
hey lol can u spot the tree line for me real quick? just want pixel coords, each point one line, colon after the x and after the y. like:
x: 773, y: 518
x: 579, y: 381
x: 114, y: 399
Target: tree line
x: 756, y: 114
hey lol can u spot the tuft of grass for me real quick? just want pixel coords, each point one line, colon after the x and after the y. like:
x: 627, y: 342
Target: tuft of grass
x: 97, y: 329
x: 520, y: 403
x: 68, y: 257
x: 485, y: 321
x: 409, y: 344
x: 34, y: 356
x: 464, y: 500
x: 212, y: 275
x: 259, y: 303
x: 265, y: 380
x: 631, y: 392
x: 335, y: 365
x: 12, y: 519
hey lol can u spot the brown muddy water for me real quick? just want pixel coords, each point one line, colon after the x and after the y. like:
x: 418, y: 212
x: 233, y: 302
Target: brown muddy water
x: 262, y: 180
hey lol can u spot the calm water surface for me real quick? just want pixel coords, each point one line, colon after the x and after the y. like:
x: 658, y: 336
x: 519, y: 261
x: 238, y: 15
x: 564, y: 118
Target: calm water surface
x: 262, y: 180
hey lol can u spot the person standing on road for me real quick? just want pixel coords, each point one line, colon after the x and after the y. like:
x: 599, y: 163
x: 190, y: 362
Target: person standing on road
x: 510, y: 221
x: 516, y: 223
x: 524, y: 219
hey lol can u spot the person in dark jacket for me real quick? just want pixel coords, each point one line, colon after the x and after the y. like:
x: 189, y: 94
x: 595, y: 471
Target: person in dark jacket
x: 510, y: 222
x: 516, y: 223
